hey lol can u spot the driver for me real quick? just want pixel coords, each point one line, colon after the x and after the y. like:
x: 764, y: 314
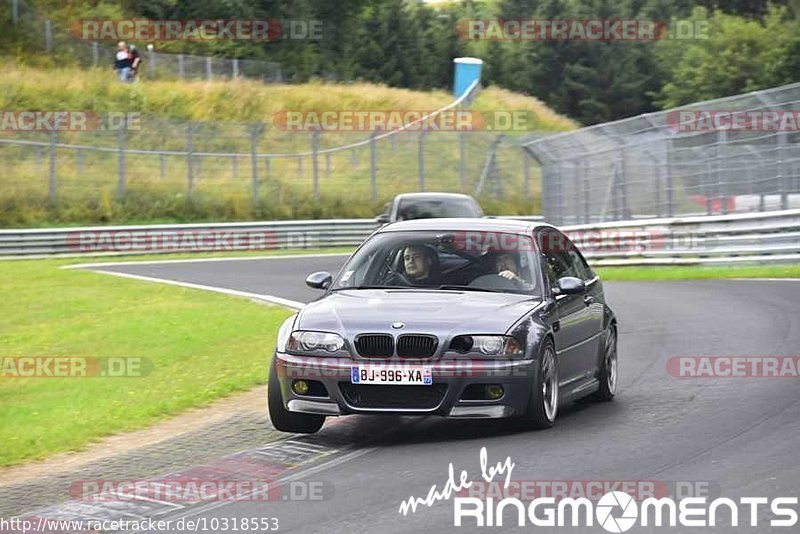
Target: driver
x: 418, y: 264
x: 506, y: 265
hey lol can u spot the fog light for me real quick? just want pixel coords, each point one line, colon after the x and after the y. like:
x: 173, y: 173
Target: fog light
x: 494, y: 392
x: 300, y: 387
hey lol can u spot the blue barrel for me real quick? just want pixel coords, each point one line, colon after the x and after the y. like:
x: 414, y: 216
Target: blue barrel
x: 468, y: 69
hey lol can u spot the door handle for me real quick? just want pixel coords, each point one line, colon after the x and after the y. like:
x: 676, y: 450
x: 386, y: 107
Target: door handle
x: 588, y: 300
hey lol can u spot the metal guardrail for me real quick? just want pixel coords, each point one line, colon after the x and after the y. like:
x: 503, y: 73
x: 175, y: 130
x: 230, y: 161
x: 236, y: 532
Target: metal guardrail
x: 725, y: 239
x: 755, y: 237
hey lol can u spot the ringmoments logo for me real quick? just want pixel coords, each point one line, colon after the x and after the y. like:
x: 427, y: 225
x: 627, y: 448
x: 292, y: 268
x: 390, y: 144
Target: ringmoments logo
x: 615, y: 511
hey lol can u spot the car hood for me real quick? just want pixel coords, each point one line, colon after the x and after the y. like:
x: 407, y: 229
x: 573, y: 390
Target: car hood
x: 439, y: 312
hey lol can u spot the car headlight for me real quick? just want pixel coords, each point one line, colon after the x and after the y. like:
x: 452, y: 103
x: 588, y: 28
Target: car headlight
x: 485, y: 345
x: 310, y: 341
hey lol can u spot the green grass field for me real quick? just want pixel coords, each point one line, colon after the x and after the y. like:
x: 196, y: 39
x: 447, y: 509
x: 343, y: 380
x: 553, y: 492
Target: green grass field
x: 201, y: 346
x: 655, y: 273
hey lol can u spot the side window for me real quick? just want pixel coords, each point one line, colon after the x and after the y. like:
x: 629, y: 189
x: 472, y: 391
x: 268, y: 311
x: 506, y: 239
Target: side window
x: 562, y: 257
x: 580, y: 265
x: 558, y: 263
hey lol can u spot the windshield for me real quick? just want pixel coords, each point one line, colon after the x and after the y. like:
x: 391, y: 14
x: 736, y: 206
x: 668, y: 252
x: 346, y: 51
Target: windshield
x: 469, y: 261
x: 430, y: 208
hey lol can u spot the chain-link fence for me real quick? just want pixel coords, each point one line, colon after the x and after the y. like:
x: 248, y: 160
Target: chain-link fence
x: 250, y: 161
x: 695, y: 160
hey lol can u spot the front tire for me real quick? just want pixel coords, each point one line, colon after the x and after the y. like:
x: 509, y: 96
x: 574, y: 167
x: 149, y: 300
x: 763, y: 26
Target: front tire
x: 284, y: 420
x: 543, y: 404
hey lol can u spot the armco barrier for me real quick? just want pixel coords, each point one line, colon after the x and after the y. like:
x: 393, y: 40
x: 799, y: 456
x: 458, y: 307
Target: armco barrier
x: 753, y: 237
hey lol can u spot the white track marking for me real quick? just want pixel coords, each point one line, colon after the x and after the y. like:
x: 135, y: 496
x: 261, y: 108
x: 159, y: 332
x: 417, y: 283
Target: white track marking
x: 295, y: 305
x: 200, y: 260
x: 765, y: 279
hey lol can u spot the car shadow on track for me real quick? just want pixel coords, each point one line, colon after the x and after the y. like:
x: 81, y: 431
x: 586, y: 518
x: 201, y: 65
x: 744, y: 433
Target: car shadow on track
x: 388, y: 430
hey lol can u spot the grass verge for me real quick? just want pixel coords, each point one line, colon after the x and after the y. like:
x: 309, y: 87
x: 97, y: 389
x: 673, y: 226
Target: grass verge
x: 201, y: 346
x: 652, y: 273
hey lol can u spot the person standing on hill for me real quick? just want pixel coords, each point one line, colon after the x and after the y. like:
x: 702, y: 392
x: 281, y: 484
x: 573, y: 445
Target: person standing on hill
x: 136, y: 59
x: 122, y: 62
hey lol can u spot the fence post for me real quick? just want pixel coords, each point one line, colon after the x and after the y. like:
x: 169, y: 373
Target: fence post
x: 95, y: 54
x: 526, y: 175
x: 208, y: 67
x: 189, y: 154
x: 614, y: 186
x: 623, y: 185
x: 707, y: 189
x: 587, y: 207
x: 162, y: 166
x: 52, y: 173
x: 373, y: 165
x: 722, y: 138
x: 79, y: 162
x: 782, y: 177
x: 48, y: 35
x: 152, y: 58
x: 181, y: 67
x: 235, y: 68
x: 462, y: 161
x: 421, y: 161
x: 315, y: 162
x: 122, y: 167
x: 15, y: 12
x: 659, y: 180
x: 254, y: 133
x: 670, y: 185
x: 557, y: 200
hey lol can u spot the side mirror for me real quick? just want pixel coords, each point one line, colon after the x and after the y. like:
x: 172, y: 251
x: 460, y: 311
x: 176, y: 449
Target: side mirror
x: 319, y: 280
x: 383, y: 218
x: 569, y: 285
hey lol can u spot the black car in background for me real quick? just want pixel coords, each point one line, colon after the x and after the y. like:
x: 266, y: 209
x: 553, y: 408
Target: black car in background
x: 409, y: 206
x: 475, y: 318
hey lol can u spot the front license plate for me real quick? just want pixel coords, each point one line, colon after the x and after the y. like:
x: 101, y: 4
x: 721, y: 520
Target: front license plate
x: 401, y: 375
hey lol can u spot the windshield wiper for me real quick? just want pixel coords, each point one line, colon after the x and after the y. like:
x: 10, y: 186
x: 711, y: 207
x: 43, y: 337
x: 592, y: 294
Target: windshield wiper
x: 468, y: 288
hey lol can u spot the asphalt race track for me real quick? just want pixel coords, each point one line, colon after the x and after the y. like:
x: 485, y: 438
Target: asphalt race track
x: 736, y: 436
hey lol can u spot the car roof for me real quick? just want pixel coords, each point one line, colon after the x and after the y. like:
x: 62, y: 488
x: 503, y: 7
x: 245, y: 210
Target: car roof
x: 471, y: 224
x: 422, y: 196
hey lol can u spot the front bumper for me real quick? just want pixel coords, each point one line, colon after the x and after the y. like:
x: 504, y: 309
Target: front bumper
x: 445, y: 397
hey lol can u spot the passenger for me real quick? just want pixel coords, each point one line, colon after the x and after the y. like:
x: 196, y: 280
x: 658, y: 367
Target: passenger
x: 507, y: 267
